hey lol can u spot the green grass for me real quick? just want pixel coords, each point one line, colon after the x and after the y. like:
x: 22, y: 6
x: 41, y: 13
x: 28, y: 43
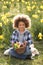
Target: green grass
x: 6, y: 60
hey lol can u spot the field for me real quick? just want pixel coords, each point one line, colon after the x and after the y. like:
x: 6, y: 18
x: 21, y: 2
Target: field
x: 11, y: 8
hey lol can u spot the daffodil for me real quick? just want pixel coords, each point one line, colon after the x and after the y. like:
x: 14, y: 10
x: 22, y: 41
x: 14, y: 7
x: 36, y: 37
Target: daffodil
x: 6, y: 21
x: 34, y: 2
x: 41, y: 6
x: 4, y: 2
x: 11, y: 20
x: 33, y: 6
x: 12, y: 0
x: 26, y: 2
x: 35, y: 16
x: 23, y: 1
x: 41, y: 20
x: 3, y: 17
x: 40, y: 35
x: 1, y: 37
x: 29, y: 8
x: 4, y: 7
x: 1, y: 24
x: 7, y: 2
x: 8, y: 14
x: 38, y: 11
x: 16, y: 45
x: 1, y: 46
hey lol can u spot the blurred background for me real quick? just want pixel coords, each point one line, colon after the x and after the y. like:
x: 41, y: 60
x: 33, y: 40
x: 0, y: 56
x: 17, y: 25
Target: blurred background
x: 11, y: 8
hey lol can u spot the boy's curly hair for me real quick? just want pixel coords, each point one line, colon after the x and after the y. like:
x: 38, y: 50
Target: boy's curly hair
x: 23, y: 18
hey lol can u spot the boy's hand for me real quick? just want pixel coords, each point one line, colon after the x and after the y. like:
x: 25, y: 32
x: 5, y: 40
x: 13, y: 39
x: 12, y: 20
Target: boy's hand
x: 18, y: 43
x: 15, y: 43
x: 25, y: 42
x: 32, y: 45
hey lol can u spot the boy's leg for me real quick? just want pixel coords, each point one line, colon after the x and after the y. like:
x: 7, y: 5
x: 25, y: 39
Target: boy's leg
x: 28, y: 53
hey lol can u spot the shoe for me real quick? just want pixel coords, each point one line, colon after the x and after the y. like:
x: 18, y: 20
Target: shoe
x: 31, y: 58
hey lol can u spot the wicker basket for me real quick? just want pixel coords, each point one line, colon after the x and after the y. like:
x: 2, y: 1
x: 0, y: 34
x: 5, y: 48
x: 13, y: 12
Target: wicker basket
x: 20, y: 50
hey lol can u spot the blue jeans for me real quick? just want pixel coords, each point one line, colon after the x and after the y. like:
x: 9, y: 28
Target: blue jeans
x: 22, y: 56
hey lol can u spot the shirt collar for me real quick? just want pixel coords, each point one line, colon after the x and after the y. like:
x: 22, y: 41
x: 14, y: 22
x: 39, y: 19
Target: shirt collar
x: 23, y: 32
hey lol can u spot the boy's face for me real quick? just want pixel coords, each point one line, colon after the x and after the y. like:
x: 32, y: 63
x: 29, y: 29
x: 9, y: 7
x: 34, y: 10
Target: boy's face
x: 21, y: 26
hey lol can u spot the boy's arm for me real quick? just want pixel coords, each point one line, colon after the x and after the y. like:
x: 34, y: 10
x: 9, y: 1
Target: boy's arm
x: 12, y: 39
x: 29, y: 39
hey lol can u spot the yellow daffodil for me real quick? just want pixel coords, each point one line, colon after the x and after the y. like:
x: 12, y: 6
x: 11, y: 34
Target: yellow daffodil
x: 29, y: 3
x: 4, y: 2
x: 41, y: 6
x: 8, y: 14
x: 33, y: 6
x: 6, y: 21
x: 12, y: 0
x: 1, y: 24
x: 38, y: 11
x: 40, y: 35
x: 23, y: 1
x: 35, y: 16
x: 3, y: 17
x: 4, y: 6
x: 26, y: 2
x: 1, y: 46
x: 29, y: 8
x: 16, y: 45
x: 1, y: 37
x: 7, y: 2
x: 34, y: 2
x: 11, y: 20
x: 41, y: 20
